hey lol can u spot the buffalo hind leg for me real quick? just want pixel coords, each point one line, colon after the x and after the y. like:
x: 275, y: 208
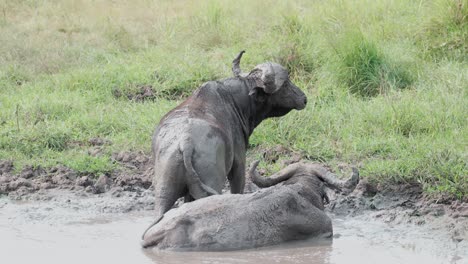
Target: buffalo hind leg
x: 167, y: 190
x: 163, y: 203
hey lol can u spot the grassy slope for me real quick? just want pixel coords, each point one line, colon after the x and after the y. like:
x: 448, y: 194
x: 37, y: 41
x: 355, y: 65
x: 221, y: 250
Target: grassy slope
x: 387, y: 80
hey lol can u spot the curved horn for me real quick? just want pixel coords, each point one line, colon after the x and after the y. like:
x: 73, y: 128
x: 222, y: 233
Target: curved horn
x: 236, y: 70
x: 332, y: 181
x: 274, y: 179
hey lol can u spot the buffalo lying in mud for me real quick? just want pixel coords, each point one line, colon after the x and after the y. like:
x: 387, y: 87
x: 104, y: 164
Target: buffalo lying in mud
x: 290, y: 209
x: 203, y: 141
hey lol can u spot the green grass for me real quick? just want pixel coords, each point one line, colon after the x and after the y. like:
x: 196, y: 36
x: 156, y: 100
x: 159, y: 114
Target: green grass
x: 386, y: 80
x: 366, y: 71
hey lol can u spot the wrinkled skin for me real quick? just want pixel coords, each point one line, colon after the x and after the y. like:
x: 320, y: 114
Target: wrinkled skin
x: 203, y: 141
x: 291, y: 209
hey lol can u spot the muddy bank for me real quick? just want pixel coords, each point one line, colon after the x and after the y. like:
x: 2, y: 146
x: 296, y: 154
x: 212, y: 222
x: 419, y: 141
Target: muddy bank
x: 124, y: 190
x: 129, y: 190
x: 404, y: 205
x: 134, y: 175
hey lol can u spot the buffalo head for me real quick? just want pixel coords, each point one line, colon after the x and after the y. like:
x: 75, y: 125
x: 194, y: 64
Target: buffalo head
x: 271, y: 85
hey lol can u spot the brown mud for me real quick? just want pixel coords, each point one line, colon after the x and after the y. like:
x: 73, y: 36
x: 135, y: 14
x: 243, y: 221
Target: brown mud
x: 139, y: 93
x: 128, y: 191
x: 135, y: 175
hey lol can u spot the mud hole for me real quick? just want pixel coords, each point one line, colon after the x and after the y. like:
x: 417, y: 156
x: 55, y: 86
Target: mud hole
x: 141, y: 93
x: 56, y: 215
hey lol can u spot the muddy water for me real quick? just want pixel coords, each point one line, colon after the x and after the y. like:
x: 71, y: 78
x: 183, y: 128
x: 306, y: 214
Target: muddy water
x: 86, y: 232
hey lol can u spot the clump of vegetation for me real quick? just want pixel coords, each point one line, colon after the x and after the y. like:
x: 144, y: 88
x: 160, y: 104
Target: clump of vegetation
x: 366, y: 71
x: 138, y: 93
x: 448, y: 170
x: 91, y: 165
x: 210, y: 26
x: 296, y: 49
x: 445, y: 35
x: 14, y: 75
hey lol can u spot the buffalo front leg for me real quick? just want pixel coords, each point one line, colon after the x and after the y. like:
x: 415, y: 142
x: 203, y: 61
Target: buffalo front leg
x: 237, y: 178
x: 188, y: 198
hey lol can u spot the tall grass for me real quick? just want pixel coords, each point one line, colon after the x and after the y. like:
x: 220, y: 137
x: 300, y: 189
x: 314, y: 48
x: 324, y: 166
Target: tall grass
x: 367, y: 71
x: 445, y: 35
x: 386, y: 80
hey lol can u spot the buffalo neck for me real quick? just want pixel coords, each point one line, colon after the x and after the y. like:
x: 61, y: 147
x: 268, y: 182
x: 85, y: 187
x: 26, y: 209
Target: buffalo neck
x: 313, y: 190
x: 247, y: 112
x: 309, y: 186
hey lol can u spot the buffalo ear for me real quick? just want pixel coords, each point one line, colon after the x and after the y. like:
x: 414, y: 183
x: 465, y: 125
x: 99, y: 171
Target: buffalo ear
x: 258, y: 94
x: 265, y: 77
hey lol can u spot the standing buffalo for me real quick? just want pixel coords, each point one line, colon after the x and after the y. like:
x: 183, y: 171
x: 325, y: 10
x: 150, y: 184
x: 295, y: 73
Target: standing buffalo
x: 291, y: 209
x: 203, y: 141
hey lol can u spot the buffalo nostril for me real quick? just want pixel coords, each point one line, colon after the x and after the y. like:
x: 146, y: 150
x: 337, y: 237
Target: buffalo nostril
x: 305, y: 100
